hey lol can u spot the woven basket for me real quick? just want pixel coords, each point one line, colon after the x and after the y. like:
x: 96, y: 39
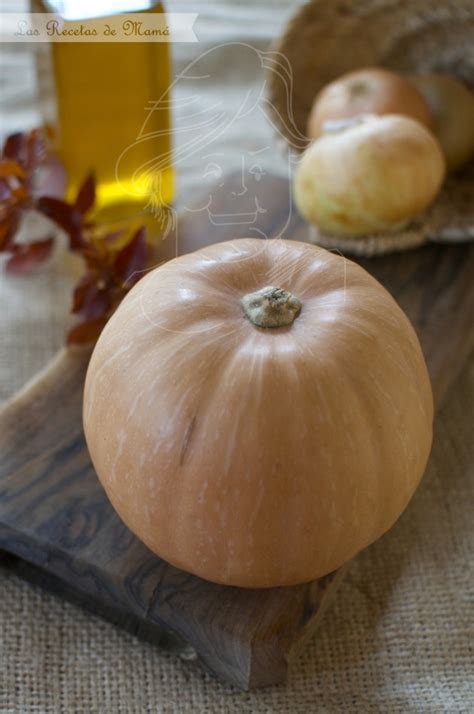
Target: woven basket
x: 328, y: 38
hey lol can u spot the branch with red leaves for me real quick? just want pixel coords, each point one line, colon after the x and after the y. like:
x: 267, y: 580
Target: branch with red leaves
x: 114, y: 262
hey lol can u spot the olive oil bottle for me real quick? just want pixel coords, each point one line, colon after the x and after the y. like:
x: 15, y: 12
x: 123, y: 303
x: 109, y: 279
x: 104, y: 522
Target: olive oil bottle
x: 106, y: 112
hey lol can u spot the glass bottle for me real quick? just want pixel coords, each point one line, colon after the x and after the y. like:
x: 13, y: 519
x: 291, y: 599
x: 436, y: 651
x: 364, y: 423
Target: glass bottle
x: 104, y: 93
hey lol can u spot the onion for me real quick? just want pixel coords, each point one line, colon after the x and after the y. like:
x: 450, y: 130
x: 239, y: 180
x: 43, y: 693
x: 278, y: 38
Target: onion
x: 373, y: 176
x: 366, y: 91
x: 452, y: 107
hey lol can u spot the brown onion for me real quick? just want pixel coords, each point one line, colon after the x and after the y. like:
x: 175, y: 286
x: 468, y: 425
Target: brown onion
x: 373, y: 176
x: 452, y: 107
x: 366, y: 91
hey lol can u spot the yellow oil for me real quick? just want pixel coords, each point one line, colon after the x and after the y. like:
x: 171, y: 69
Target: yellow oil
x: 104, y: 94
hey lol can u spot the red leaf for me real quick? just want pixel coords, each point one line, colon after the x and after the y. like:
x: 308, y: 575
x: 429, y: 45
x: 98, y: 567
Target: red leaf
x: 9, y: 168
x: 93, y: 259
x: 80, y: 291
x: 26, y: 148
x: 96, y: 304
x: 8, y: 228
x: 111, y: 238
x: 89, y: 299
x: 65, y: 216
x: 85, y: 332
x: 101, y: 250
x: 13, y: 193
x: 131, y: 260
x: 86, y: 196
x: 28, y: 256
x: 14, y: 146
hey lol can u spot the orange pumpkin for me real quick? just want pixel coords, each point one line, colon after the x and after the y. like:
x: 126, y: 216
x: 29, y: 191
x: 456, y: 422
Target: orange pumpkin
x: 258, y: 411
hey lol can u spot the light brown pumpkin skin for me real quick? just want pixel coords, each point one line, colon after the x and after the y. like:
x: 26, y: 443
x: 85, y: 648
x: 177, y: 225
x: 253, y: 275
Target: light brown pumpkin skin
x: 257, y: 456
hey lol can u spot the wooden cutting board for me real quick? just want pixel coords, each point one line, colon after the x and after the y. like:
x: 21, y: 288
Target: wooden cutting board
x: 58, y: 529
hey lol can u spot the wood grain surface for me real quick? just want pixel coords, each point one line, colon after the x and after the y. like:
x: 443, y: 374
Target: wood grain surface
x: 58, y: 529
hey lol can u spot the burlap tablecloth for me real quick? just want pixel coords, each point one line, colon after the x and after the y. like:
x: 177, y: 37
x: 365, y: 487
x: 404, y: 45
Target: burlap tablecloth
x: 399, y: 635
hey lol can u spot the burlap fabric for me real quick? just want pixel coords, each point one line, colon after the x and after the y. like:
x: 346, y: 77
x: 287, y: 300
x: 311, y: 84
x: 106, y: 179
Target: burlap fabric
x: 398, y: 637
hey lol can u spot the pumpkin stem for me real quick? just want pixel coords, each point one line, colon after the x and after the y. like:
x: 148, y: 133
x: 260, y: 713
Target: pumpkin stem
x: 271, y: 307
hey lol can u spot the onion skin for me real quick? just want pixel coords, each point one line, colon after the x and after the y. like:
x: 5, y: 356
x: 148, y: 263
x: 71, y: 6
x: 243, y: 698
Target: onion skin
x: 255, y: 456
x: 367, y: 91
x: 371, y: 177
x: 452, y: 107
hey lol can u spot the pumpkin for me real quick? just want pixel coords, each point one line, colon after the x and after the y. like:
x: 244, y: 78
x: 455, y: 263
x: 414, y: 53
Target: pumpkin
x: 373, y: 176
x: 258, y: 411
x: 366, y: 91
